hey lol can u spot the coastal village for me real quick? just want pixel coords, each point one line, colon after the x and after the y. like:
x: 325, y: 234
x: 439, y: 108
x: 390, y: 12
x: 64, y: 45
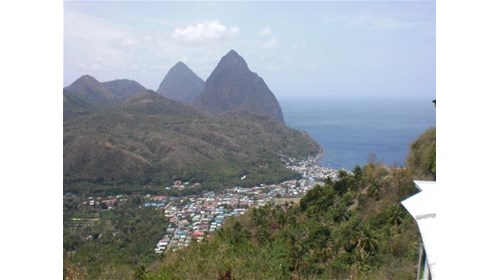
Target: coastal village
x: 194, y: 218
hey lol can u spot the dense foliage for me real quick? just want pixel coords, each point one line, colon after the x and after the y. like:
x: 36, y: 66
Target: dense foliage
x: 422, y: 156
x: 354, y: 227
x: 109, y: 244
x: 153, y: 140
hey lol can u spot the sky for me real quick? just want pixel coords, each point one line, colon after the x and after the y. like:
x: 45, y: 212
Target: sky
x: 341, y: 48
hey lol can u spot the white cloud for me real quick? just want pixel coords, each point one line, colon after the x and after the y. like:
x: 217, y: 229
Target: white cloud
x: 207, y: 31
x: 106, y: 50
x: 270, y: 43
x: 265, y: 31
x: 92, y: 43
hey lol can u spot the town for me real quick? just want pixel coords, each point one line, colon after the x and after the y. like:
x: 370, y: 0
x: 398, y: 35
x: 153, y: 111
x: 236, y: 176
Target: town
x: 194, y: 218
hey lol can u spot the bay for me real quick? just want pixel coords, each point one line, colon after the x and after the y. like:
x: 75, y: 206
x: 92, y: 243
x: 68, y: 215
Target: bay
x: 350, y: 130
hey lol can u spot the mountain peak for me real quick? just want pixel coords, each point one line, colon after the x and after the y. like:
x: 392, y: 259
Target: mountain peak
x: 233, y: 61
x: 89, y: 88
x: 233, y: 87
x: 181, y: 84
x: 180, y: 65
x: 85, y: 79
x: 233, y: 54
x: 123, y: 88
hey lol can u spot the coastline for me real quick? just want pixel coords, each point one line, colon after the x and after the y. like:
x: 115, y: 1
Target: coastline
x: 319, y: 156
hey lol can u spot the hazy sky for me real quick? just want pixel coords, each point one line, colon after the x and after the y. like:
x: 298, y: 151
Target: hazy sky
x: 357, y: 48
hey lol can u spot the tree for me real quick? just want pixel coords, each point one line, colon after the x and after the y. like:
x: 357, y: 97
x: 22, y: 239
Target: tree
x: 140, y: 272
x: 374, y: 189
x: 328, y: 181
x: 422, y: 157
x: 396, y: 215
x: 343, y: 183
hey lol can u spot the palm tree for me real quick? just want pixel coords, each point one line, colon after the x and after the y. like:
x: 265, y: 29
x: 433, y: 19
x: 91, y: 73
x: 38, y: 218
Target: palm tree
x: 365, y: 239
x: 396, y: 215
x: 374, y: 189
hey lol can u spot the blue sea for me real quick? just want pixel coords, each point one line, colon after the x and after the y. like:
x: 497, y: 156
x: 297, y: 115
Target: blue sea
x: 351, y: 129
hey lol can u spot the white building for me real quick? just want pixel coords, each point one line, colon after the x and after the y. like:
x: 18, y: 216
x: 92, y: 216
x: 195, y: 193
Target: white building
x: 422, y: 206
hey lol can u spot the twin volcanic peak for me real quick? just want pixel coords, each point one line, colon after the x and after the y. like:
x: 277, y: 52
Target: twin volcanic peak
x: 181, y: 84
x: 119, y: 132
x: 230, y: 87
x: 233, y: 87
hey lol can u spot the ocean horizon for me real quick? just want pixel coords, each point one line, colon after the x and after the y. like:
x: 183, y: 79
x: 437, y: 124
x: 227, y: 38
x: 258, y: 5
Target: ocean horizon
x: 354, y: 130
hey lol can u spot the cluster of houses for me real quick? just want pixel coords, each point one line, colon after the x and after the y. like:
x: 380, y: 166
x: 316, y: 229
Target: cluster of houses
x: 180, y: 185
x: 155, y: 201
x: 309, y: 169
x: 194, y: 218
x: 108, y: 202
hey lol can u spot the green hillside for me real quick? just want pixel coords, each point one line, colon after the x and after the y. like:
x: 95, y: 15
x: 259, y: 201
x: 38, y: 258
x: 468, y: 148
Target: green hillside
x: 352, y: 228
x: 422, y: 156
x: 153, y: 140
